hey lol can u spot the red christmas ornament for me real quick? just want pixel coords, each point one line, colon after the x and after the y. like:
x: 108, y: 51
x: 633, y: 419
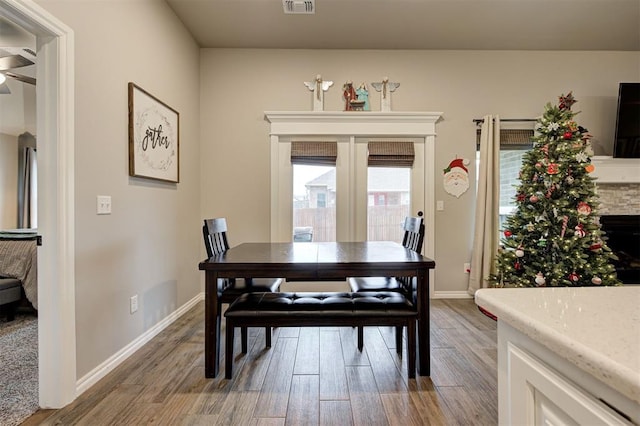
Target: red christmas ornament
x: 567, y: 135
x: 533, y: 198
x: 553, y: 169
x: 573, y: 277
x: 595, y: 247
x: 583, y: 208
x: 521, y: 197
x: 518, y: 266
x: 580, y: 231
x: 507, y: 233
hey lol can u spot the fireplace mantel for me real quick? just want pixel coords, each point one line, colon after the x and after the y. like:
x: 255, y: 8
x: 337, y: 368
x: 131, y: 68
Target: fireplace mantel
x: 616, y: 170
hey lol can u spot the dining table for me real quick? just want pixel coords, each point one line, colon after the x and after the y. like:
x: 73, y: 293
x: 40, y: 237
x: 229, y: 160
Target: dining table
x: 316, y: 261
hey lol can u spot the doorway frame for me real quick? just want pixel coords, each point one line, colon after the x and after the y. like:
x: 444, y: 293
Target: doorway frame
x: 56, y: 265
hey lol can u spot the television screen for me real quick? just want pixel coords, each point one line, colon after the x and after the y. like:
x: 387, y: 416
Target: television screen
x: 627, y: 137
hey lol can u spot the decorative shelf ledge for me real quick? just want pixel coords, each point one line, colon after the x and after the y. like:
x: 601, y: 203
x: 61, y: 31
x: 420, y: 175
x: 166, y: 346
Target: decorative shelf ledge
x: 368, y: 123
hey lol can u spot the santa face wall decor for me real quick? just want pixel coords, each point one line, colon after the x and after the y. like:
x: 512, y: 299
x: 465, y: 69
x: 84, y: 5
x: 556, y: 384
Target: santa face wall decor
x: 456, y: 177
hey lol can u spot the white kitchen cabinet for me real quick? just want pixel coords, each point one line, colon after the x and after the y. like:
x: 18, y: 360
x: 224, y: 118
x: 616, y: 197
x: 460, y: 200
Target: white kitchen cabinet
x: 567, y: 356
x: 533, y: 391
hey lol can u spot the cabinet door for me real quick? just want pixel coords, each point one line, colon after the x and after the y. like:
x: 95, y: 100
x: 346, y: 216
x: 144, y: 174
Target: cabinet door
x: 540, y: 396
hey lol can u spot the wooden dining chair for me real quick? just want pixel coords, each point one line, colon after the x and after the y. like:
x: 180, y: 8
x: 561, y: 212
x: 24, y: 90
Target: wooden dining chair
x: 214, y: 232
x: 412, y: 239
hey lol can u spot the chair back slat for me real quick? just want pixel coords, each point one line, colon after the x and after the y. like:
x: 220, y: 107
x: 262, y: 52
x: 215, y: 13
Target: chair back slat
x: 214, y: 232
x: 413, y: 239
x: 413, y: 233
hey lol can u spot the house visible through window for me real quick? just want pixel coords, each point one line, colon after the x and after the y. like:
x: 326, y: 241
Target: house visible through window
x: 350, y: 189
x: 388, y: 189
x: 314, y: 191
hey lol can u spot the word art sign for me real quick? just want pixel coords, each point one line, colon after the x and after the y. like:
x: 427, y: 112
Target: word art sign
x: 154, y: 137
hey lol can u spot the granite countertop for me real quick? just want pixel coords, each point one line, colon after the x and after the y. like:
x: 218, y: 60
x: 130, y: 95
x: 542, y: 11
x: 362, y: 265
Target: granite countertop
x: 595, y: 328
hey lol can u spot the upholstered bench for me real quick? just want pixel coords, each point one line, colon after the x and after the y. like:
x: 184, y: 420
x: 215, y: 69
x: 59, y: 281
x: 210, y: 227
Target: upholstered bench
x: 318, y: 310
x: 10, y: 295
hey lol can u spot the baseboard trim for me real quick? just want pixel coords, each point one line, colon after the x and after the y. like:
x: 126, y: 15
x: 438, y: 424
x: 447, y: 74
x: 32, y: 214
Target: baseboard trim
x: 119, y: 357
x: 451, y: 295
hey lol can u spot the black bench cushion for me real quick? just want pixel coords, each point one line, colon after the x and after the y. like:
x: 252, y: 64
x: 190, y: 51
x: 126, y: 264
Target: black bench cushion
x: 321, y: 304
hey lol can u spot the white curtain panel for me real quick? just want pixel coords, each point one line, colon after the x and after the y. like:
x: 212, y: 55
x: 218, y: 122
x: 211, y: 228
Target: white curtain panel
x: 485, y: 238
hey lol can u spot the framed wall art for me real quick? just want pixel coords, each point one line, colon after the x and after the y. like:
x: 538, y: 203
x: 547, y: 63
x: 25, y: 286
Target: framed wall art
x: 154, y: 137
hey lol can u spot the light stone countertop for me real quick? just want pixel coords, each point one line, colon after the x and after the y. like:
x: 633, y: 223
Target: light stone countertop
x: 595, y: 328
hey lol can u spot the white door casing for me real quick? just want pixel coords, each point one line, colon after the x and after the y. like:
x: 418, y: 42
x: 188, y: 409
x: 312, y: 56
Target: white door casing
x: 55, y: 131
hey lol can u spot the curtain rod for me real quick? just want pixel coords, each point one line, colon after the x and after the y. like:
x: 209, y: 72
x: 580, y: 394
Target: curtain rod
x: 481, y: 120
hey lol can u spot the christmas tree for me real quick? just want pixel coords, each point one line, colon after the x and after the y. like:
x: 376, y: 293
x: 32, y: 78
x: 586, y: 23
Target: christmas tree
x: 554, y: 238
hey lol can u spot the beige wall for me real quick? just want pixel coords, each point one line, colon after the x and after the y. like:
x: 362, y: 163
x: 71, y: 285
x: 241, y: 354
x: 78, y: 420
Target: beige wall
x: 238, y: 85
x: 151, y: 244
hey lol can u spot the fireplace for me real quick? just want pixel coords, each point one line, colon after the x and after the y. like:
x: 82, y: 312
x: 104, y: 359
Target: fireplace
x: 623, y: 238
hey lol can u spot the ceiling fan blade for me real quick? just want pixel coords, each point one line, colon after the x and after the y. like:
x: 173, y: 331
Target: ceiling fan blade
x: 14, y: 61
x: 20, y: 77
x: 4, y: 89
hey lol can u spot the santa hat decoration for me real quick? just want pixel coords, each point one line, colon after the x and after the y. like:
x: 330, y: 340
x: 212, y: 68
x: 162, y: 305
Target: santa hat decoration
x: 458, y: 162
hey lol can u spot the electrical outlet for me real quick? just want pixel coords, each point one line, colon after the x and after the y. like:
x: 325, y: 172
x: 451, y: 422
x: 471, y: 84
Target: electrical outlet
x: 133, y: 303
x: 467, y: 268
x: 103, y: 204
x: 440, y: 205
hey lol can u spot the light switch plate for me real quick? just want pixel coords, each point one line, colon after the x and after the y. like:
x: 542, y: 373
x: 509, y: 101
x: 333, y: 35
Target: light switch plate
x: 104, y: 204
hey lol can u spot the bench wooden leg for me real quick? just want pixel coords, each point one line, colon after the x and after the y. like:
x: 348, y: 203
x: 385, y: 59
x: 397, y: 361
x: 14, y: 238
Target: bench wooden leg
x: 399, y: 330
x: 228, y: 351
x: 411, y: 348
x: 360, y: 338
x: 243, y: 339
x: 267, y: 336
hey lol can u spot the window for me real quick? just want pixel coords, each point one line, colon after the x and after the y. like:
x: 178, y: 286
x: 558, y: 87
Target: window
x: 352, y: 132
x: 366, y: 195
x: 389, y: 187
x: 514, y: 143
x: 314, y: 190
x: 314, y: 207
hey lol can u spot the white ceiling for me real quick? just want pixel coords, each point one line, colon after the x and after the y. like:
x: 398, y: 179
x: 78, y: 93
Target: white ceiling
x: 416, y: 24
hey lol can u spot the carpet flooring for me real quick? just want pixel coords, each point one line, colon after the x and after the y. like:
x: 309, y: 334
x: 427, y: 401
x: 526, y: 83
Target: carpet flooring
x: 18, y: 369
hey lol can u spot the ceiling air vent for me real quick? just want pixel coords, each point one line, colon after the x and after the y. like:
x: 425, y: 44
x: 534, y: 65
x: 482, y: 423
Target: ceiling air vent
x: 299, y: 6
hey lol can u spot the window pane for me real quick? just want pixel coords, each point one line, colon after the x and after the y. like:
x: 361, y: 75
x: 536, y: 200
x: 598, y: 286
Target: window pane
x: 389, y: 200
x: 510, y: 165
x: 314, y: 203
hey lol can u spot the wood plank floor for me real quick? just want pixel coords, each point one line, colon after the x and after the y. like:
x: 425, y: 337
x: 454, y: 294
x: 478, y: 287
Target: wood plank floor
x: 311, y: 376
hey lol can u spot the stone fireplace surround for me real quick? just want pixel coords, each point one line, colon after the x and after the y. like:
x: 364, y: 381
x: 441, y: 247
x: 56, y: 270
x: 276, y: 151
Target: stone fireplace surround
x: 618, y: 189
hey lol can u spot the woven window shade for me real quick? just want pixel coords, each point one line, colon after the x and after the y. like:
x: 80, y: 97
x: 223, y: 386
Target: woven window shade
x: 314, y: 153
x: 512, y: 138
x: 391, y: 154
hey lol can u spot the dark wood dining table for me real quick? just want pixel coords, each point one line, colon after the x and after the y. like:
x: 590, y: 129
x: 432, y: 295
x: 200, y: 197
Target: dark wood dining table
x: 315, y: 261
